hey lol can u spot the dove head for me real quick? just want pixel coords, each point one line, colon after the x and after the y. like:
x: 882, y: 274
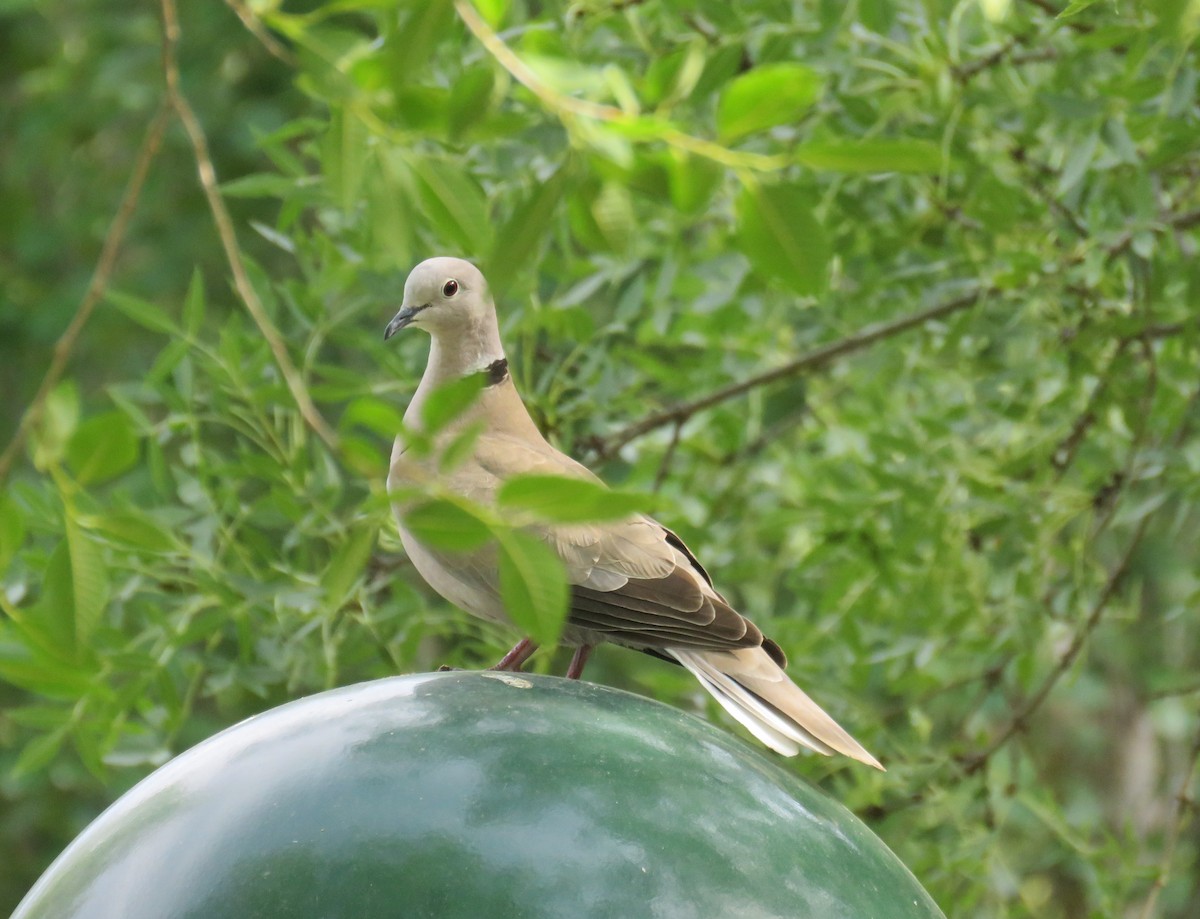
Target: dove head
x: 449, y: 298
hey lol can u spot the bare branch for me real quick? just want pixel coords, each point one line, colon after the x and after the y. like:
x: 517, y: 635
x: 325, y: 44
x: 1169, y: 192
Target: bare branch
x: 227, y: 234
x: 813, y: 360
x: 111, y: 248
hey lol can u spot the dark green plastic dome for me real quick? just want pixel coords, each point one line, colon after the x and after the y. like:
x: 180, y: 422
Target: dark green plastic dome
x: 475, y: 795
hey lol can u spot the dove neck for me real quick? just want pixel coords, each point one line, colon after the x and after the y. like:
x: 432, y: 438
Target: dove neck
x: 499, y: 406
x: 473, y: 350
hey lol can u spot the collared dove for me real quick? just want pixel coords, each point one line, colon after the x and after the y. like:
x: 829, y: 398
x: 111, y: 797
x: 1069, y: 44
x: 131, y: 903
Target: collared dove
x: 633, y: 583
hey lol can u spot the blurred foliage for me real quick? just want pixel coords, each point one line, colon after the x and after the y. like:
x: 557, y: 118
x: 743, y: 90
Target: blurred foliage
x: 974, y: 533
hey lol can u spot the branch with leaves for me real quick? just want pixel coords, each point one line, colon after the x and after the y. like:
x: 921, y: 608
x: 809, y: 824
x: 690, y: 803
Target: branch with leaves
x: 805, y: 363
x: 227, y: 232
x: 105, y: 265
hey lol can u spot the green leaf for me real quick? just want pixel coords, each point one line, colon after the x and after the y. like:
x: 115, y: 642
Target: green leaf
x: 24, y: 662
x: 693, y: 181
x: 1075, y: 7
x: 770, y: 95
x: 89, y: 579
x: 193, y: 304
x: 449, y: 401
x: 871, y: 155
x: 50, y: 622
x: 131, y: 529
x: 533, y: 586
x: 455, y: 204
x: 60, y: 417
x: 456, y: 452
x: 347, y: 564
x: 143, y: 312
x: 469, y: 100
x: 412, y: 45
x: 259, y: 185
x: 443, y: 524
x: 12, y: 530
x: 374, y: 415
x: 559, y: 499
x: 783, y: 240
x: 493, y: 11
x: 39, y: 752
x: 102, y: 448
x: 1079, y: 161
x: 524, y: 233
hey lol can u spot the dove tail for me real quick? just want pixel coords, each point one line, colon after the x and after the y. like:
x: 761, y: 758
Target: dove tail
x: 752, y: 687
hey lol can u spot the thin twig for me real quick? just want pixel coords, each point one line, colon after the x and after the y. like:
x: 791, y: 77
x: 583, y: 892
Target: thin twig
x: 664, y: 466
x: 1184, y: 221
x: 976, y: 761
x: 225, y: 230
x: 1184, y: 804
x: 255, y: 26
x: 1020, y: 156
x: 1053, y: 10
x: 569, y: 106
x: 967, y: 71
x: 1064, y: 454
x: 813, y: 360
x: 109, y: 251
x: 1019, y: 719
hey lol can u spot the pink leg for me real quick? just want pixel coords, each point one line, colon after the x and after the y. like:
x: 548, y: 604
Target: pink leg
x: 578, y: 662
x: 520, y: 653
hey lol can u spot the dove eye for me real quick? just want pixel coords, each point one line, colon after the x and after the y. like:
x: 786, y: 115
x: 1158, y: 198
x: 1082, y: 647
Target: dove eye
x: 450, y: 288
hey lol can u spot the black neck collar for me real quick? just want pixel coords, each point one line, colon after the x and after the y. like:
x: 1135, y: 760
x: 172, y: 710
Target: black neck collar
x: 495, y: 372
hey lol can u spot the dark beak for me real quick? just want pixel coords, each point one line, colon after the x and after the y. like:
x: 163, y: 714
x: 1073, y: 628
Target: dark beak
x: 402, y: 319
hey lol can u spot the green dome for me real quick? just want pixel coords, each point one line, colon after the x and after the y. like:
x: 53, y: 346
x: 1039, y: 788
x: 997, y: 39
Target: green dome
x: 475, y: 795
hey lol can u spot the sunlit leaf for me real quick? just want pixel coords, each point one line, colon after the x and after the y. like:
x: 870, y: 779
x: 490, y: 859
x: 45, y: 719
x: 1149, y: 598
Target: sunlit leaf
x: 102, y: 447
x: 455, y: 204
x: 783, y: 240
x: 143, y: 312
x: 1075, y: 7
x: 449, y: 401
x: 769, y: 95
x: 347, y: 564
x: 89, y: 580
x: 60, y: 418
x: 12, y: 529
x: 533, y: 586
x: 872, y: 155
x: 132, y: 529
x: 566, y: 500
x: 519, y: 239
x: 446, y: 525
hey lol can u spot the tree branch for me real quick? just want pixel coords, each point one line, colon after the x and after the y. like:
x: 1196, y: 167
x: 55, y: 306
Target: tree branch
x: 1019, y: 719
x: 976, y: 761
x: 964, y: 73
x: 255, y: 27
x: 109, y: 251
x: 566, y: 107
x: 226, y: 232
x: 813, y: 360
x: 1183, y: 804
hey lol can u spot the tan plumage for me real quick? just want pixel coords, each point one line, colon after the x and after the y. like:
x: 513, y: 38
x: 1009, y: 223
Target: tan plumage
x: 634, y: 582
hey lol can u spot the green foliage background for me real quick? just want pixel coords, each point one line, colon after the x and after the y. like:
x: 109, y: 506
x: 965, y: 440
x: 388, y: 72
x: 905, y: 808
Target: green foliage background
x: 975, y: 532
